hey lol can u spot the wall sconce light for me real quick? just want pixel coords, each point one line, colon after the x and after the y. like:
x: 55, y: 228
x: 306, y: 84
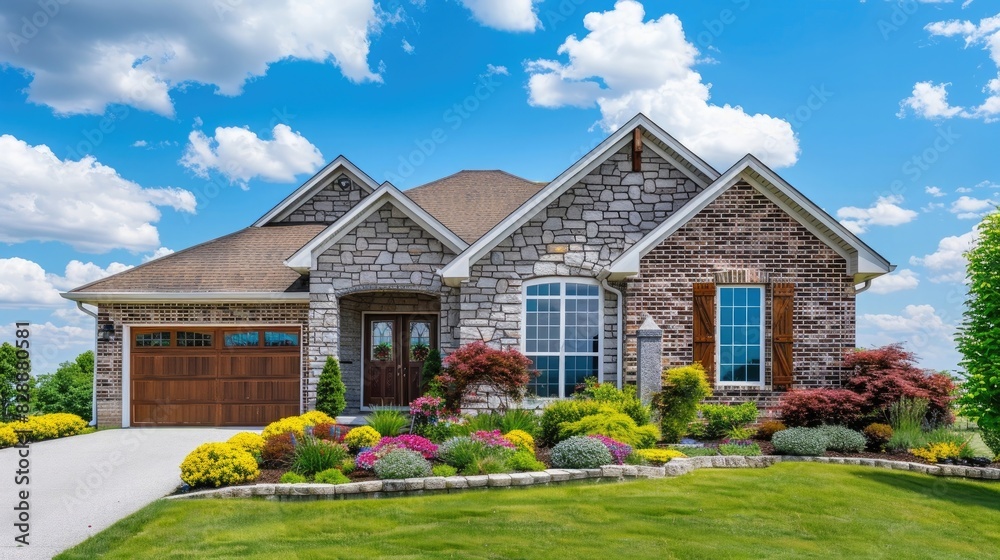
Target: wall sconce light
x: 344, y: 182
x: 108, y: 332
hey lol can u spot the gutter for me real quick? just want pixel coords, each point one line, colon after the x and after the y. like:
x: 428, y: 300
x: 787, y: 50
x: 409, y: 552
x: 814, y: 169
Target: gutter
x: 864, y: 287
x: 93, y: 391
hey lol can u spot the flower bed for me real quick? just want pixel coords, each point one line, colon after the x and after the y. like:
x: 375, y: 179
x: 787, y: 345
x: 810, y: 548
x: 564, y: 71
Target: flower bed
x: 43, y: 427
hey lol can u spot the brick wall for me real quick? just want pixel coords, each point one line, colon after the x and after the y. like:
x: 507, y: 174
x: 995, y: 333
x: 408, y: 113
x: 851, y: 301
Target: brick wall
x: 108, y: 366
x: 744, y: 233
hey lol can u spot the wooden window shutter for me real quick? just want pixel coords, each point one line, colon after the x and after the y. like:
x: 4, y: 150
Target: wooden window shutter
x: 782, y: 304
x: 704, y: 327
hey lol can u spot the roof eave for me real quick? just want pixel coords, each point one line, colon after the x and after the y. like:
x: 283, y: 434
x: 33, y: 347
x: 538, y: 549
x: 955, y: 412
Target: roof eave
x: 301, y: 194
x: 182, y: 297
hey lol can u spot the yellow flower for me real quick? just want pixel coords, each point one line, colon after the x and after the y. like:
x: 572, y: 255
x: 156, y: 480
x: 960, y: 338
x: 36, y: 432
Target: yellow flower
x: 218, y: 464
x: 293, y: 424
x: 314, y: 417
x: 659, y: 456
x: 521, y: 439
x: 248, y: 441
x: 363, y: 436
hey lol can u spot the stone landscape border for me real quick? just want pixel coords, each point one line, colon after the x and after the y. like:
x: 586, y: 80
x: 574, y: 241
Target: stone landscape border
x: 441, y: 485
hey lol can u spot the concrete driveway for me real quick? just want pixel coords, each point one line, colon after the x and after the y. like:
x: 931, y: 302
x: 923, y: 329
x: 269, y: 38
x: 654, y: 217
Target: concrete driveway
x: 81, y: 485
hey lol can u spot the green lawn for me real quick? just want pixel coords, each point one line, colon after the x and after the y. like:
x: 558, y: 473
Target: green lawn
x: 793, y: 510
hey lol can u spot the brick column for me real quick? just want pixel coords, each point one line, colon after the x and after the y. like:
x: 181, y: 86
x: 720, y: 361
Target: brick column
x: 649, y: 342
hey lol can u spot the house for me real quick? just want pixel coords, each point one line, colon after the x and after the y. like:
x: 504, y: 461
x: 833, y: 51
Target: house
x: 741, y: 271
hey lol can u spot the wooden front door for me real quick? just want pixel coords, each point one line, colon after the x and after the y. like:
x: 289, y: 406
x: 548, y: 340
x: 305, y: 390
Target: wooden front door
x: 395, y: 347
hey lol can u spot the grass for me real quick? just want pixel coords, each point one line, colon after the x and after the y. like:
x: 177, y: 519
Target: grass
x: 793, y: 510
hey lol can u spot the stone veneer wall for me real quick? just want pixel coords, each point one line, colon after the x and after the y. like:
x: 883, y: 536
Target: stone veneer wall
x: 742, y: 230
x: 583, y: 231
x: 326, y: 206
x: 108, y: 366
x: 387, y: 253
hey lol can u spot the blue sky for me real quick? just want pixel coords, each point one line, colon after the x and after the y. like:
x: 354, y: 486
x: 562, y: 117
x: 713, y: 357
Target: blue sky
x: 131, y: 129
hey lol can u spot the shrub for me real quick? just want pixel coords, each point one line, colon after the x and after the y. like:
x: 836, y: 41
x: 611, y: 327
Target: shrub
x: 799, y: 441
x: 361, y: 437
x: 619, y: 451
x: 744, y: 448
x: 721, y: 418
x: 843, y: 439
x: 885, y: 375
x: 329, y: 432
x: 402, y: 463
x: 50, y: 426
x: 8, y: 437
x: 347, y: 465
x: 908, y: 414
x: 386, y: 421
x: 519, y: 419
x: 489, y: 464
x: 420, y: 444
x: 878, y: 435
x: 218, y: 464
x: 507, y: 372
x: 524, y: 461
x: 444, y: 470
x: 432, y: 368
x: 683, y: 389
x: 366, y: 460
x: 331, y: 476
x: 559, y: 412
x: 697, y: 451
x: 580, y: 452
x: 249, y: 442
x: 460, y: 452
x: 625, y: 400
x: 314, y: 417
x: 615, y: 425
x: 740, y: 433
x: 330, y: 389
x: 446, y: 427
x: 768, y: 428
x: 936, y: 452
x: 278, y: 450
x: 426, y: 410
x: 293, y: 424
x: 659, y: 456
x: 813, y: 407
x: 69, y: 389
x: 292, y: 478
x: 492, y: 439
x: 991, y: 437
x: 314, y: 455
x: 483, y: 422
x: 521, y: 439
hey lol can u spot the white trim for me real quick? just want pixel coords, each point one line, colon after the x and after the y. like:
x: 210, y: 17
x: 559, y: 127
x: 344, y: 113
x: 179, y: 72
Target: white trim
x: 562, y: 281
x: 304, y: 259
x: 718, y: 338
x: 861, y: 259
x: 458, y: 269
x: 179, y: 297
x: 126, y: 376
x: 315, y: 184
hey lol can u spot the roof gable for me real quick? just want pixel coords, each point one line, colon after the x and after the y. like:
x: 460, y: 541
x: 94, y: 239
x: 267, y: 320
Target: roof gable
x: 862, y: 261
x: 655, y: 138
x: 317, y: 183
x: 304, y: 259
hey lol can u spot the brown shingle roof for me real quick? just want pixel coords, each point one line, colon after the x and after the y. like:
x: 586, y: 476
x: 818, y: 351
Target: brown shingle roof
x: 250, y: 260
x: 469, y: 203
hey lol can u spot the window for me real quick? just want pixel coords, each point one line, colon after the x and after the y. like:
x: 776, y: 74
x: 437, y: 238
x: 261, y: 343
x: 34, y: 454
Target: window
x: 272, y: 338
x: 420, y: 340
x: 562, y: 335
x: 741, y: 334
x: 186, y: 338
x: 242, y: 339
x: 152, y: 339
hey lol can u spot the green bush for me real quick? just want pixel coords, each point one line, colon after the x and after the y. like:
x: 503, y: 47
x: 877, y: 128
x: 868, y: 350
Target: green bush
x: 69, y: 389
x: 483, y: 422
x: 564, y: 411
x: 524, y: 461
x: 580, y: 452
x: 489, y: 464
x: 444, y: 470
x: 625, y: 400
x: 330, y: 389
x: 721, y: 418
x: 615, y: 425
x: 432, y: 368
x: 331, y: 476
x: 520, y: 419
x: 292, y: 478
x: 461, y: 451
x: 402, y: 463
x: 800, y: 441
x: 845, y: 440
x: 683, y: 390
x: 991, y: 438
x: 388, y: 422
x: 347, y: 466
x: 313, y: 455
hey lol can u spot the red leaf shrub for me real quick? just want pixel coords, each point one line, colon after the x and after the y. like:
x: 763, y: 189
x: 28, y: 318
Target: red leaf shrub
x: 812, y: 407
x: 475, y: 364
x: 329, y: 432
x: 884, y: 375
x: 278, y: 451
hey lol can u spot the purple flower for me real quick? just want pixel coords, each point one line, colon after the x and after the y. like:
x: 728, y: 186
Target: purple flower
x: 419, y: 444
x: 619, y: 451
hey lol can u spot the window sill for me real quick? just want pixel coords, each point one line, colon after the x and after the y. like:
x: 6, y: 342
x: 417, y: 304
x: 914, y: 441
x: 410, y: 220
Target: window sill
x: 743, y: 386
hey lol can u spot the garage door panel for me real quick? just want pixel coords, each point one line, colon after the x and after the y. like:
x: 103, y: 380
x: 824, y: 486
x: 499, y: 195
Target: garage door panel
x: 284, y: 391
x: 256, y: 414
x: 174, y: 414
x: 173, y: 366
x: 259, y: 365
x: 173, y: 391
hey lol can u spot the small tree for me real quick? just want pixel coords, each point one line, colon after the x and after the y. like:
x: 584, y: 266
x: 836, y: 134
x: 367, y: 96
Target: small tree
x: 979, y: 336
x: 9, y: 393
x: 330, y: 390
x: 431, y: 369
x: 474, y: 365
x: 683, y: 388
x: 70, y: 389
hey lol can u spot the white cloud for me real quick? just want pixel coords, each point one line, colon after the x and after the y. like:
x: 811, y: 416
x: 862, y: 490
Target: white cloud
x: 119, y: 51
x: 161, y: 252
x: 240, y: 155
x: 963, y: 190
x: 494, y: 70
x: 915, y: 319
x: 83, y: 203
x: 903, y: 279
x: 922, y: 328
x: 24, y: 283
x: 625, y: 65
x: 505, y: 15
x: 52, y: 344
x: 929, y: 101
x: 932, y: 206
x: 407, y: 47
x: 885, y: 212
x: 968, y: 208
x: 140, y: 144
x: 948, y: 261
x: 934, y: 191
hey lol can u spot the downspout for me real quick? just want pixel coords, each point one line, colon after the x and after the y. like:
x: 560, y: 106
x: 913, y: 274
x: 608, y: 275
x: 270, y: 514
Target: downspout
x: 865, y: 286
x: 93, y: 390
x: 620, y: 359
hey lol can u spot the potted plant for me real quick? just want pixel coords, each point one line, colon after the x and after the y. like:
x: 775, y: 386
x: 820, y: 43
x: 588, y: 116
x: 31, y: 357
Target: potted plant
x: 382, y: 352
x: 419, y: 351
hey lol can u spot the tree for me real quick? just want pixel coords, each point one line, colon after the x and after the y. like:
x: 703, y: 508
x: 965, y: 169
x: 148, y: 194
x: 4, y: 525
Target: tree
x: 70, y: 389
x: 432, y: 368
x: 8, y: 381
x: 503, y: 373
x: 330, y: 390
x: 979, y: 336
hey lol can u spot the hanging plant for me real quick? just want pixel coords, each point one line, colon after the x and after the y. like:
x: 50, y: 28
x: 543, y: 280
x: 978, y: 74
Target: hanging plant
x: 382, y: 352
x: 419, y: 351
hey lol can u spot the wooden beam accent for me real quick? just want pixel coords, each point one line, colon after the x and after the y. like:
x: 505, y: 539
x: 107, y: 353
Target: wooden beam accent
x: 637, y: 149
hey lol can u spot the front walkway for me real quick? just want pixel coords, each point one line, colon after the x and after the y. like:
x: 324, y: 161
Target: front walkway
x: 81, y: 485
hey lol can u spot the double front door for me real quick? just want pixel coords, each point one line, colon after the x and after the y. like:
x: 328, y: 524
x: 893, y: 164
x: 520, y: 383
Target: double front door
x: 395, y: 347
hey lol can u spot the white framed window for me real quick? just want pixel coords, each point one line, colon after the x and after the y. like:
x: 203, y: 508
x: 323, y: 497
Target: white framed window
x: 562, y: 333
x: 740, y: 335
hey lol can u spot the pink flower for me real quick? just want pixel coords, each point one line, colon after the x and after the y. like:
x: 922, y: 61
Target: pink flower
x: 492, y: 439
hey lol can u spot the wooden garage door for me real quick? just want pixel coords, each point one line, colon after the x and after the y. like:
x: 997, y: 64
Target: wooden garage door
x: 214, y: 376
